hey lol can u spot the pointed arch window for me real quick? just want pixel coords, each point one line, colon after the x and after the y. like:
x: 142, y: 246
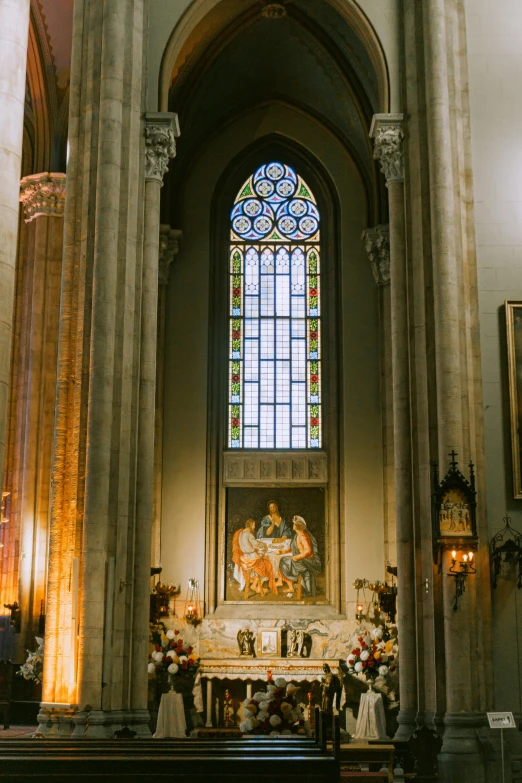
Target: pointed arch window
x: 275, y: 314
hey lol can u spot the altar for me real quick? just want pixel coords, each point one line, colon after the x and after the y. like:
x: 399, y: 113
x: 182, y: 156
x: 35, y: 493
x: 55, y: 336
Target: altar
x: 251, y: 669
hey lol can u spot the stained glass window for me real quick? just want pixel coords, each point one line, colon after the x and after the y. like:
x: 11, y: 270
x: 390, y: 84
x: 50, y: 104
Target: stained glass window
x: 275, y: 313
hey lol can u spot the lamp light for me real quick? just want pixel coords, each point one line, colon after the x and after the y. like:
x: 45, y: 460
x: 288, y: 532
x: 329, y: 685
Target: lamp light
x: 192, y: 603
x: 460, y: 571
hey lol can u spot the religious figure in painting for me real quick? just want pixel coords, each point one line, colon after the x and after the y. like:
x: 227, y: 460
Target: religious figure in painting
x: 250, y: 563
x: 274, y: 525
x: 303, y: 560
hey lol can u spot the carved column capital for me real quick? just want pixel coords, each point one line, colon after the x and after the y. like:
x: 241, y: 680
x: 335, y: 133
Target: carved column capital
x: 387, y: 133
x: 377, y: 245
x: 168, y: 248
x: 42, y: 194
x: 161, y: 132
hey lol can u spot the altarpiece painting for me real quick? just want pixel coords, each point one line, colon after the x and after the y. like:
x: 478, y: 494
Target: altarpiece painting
x: 275, y: 545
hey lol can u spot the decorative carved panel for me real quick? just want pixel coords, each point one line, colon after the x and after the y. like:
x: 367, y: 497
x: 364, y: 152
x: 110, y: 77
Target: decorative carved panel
x: 282, y: 468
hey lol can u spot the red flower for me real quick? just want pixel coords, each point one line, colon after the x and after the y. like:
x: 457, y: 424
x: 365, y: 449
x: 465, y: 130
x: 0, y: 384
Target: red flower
x: 236, y: 335
x: 392, y: 668
x: 313, y: 292
x: 176, y: 632
x: 313, y: 335
x: 391, y: 657
x: 236, y: 292
x: 159, y: 667
x: 371, y: 663
x: 235, y: 378
x: 235, y: 422
x: 157, y: 647
x: 314, y: 422
x: 364, y: 664
x: 189, y: 650
x: 184, y: 664
x: 359, y: 638
x: 313, y: 378
x: 172, y: 644
x: 357, y: 651
x: 164, y: 659
x: 364, y: 645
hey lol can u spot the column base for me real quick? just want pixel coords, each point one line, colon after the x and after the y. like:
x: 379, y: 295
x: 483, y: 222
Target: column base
x: 67, y: 721
x: 407, y: 724
x: 463, y: 755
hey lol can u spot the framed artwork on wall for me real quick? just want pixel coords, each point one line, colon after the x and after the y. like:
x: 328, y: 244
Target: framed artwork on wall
x: 274, y: 545
x: 514, y: 352
x: 269, y: 643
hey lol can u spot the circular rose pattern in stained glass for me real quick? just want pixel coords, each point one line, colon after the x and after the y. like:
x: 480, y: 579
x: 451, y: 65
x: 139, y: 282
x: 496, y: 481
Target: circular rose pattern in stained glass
x: 297, y: 208
x: 274, y: 171
x: 308, y: 225
x: 262, y: 224
x: 264, y: 188
x: 241, y: 224
x: 285, y: 188
x: 287, y: 224
x: 252, y: 207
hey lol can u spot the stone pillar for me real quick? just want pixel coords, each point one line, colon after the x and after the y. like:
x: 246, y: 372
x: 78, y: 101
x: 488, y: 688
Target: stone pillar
x: 106, y: 358
x: 386, y: 130
x: 35, y: 348
x: 14, y: 33
x: 377, y: 245
x: 161, y: 130
x: 168, y: 248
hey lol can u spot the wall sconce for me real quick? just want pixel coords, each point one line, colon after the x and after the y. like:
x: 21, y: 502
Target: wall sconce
x: 505, y: 547
x: 16, y: 616
x: 465, y: 567
x: 384, y: 598
x: 192, y: 603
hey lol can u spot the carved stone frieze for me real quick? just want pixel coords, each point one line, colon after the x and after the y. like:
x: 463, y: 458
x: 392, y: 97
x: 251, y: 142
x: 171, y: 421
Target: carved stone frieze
x: 377, y: 245
x: 387, y: 133
x: 161, y: 132
x: 43, y: 194
x: 282, y: 468
x: 168, y: 248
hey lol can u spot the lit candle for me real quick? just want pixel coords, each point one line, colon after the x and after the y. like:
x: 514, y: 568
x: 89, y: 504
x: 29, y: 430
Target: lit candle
x: 359, y: 608
x: 470, y: 555
x: 454, y: 555
x: 465, y: 558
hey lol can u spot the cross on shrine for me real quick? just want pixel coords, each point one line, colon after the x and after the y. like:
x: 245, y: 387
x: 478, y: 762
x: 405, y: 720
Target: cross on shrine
x: 453, y: 462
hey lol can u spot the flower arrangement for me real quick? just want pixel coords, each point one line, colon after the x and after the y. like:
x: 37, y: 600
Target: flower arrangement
x: 32, y: 669
x: 170, y: 654
x: 373, y: 654
x: 274, y: 712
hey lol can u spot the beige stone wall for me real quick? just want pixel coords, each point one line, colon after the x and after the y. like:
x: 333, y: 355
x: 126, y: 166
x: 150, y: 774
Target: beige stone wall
x: 185, y: 431
x: 494, y: 30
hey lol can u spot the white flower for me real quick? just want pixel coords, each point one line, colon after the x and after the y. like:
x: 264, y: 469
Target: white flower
x: 271, y: 689
x: 262, y: 715
x: 151, y: 668
x: 251, y: 708
x: 280, y: 682
x: 170, y: 634
x: 263, y: 706
x: 365, y: 655
x: 275, y: 720
x: 173, y: 655
x: 383, y: 671
x: 286, y: 732
x: 254, y: 722
x: 350, y: 660
x: 183, y: 658
x: 291, y: 688
x: 384, y: 657
x: 246, y: 726
x: 376, y: 633
x: 259, y: 696
x: 358, y: 666
x: 285, y: 706
x: 157, y: 656
x: 274, y: 734
x: 173, y: 668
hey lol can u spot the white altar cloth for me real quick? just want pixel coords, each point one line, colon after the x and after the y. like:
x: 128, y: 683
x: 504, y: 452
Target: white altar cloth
x: 371, y: 723
x: 171, y: 717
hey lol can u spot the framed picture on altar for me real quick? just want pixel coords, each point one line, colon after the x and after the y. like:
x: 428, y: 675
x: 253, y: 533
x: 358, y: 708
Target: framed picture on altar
x: 269, y: 643
x: 514, y: 353
x: 274, y: 545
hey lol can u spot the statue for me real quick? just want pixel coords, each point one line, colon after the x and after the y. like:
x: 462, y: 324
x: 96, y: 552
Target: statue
x: 330, y: 688
x: 295, y: 643
x: 245, y: 641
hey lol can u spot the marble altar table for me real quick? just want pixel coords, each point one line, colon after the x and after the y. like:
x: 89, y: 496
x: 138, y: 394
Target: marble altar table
x: 171, y: 717
x: 249, y: 669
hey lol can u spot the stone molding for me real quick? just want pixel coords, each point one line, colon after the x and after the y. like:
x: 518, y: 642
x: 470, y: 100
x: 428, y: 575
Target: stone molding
x: 269, y: 469
x: 43, y: 194
x: 388, y: 135
x: 377, y: 245
x: 161, y: 132
x: 169, y: 240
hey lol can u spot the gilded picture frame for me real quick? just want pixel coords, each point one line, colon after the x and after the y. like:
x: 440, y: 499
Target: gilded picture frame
x: 269, y: 643
x: 514, y: 353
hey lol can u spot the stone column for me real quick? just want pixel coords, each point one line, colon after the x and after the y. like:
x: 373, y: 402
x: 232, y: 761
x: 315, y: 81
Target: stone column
x: 386, y: 130
x: 377, y: 245
x: 95, y: 519
x: 14, y: 33
x: 35, y: 347
x: 161, y: 130
x: 168, y: 248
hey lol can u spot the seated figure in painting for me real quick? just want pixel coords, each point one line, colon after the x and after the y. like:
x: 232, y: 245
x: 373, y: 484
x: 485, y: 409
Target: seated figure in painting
x: 249, y: 560
x: 304, y: 560
x: 274, y: 525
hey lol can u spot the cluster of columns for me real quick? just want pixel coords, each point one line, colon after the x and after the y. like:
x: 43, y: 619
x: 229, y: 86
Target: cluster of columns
x: 445, y: 667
